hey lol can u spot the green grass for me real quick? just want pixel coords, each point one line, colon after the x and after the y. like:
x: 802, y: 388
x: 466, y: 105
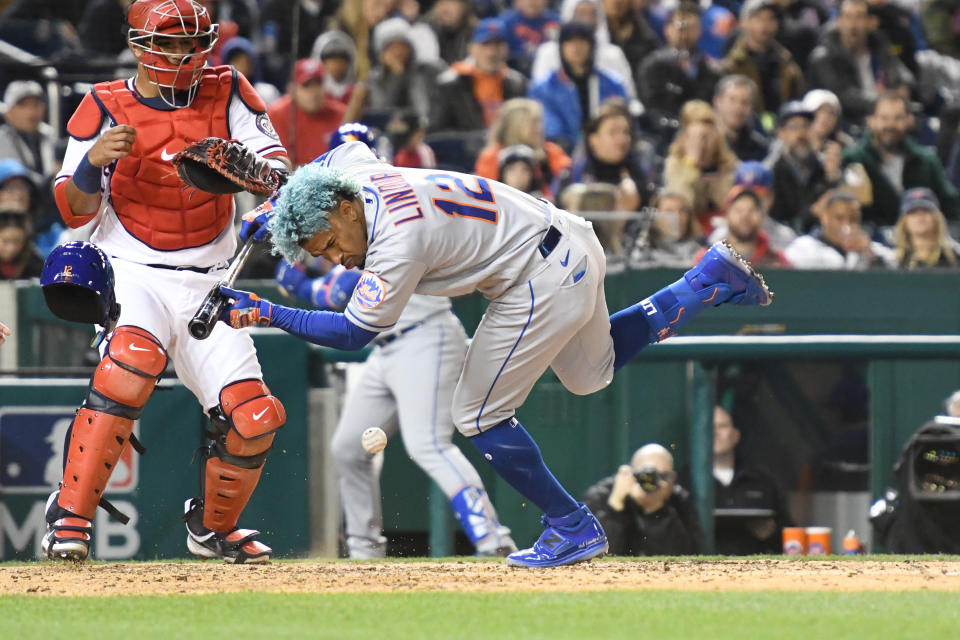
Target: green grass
x: 663, y: 615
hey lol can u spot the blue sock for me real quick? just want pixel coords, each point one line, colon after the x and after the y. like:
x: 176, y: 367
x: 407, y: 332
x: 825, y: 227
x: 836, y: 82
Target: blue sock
x: 630, y: 332
x: 516, y: 457
x: 654, y: 319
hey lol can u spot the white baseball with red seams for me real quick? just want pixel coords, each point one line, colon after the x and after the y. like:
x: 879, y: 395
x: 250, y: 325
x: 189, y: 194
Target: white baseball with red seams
x: 374, y: 440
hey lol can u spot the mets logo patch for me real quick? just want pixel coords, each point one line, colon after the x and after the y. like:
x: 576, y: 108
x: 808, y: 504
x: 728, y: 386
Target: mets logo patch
x: 370, y: 291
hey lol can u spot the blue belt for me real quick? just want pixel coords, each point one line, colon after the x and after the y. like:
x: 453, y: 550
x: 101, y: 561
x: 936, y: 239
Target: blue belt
x: 550, y: 241
x: 385, y: 340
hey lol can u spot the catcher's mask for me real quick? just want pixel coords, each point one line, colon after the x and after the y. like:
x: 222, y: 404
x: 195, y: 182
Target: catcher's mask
x: 154, y: 22
x: 77, y: 282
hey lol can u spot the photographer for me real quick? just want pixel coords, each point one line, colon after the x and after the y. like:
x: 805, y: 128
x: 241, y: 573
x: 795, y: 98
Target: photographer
x: 643, y: 510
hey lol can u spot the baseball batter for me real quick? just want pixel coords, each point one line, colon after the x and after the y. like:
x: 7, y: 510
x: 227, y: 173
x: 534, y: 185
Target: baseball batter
x: 445, y: 233
x: 168, y: 245
x: 407, y: 384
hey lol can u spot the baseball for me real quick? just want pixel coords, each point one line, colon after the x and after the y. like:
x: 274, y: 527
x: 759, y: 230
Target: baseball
x: 374, y: 440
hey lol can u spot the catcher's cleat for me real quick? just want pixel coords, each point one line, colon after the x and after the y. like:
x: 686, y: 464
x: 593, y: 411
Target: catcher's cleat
x: 236, y: 547
x: 723, y: 272
x: 721, y: 276
x: 567, y: 540
x: 68, y: 535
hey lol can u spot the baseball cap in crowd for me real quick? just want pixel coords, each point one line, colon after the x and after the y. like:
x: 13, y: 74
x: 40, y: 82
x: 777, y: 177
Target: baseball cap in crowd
x: 738, y: 191
x: 817, y: 98
x: 754, y: 175
x: 490, y: 30
x: 20, y: 89
x: 576, y: 29
x: 919, y: 198
x: 391, y: 30
x: 793, y: 109
x: 751, y: 7
x: 517, y: 153
x: 308, y: 69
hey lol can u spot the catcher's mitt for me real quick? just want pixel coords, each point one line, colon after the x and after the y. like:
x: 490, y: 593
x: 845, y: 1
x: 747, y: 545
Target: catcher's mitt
x: 216, y: 165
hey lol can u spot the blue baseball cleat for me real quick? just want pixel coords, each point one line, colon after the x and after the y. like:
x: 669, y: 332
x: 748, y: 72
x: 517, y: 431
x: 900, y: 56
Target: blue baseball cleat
x: 732, y: 279
x: 721, y: 276
x: 567, y: 540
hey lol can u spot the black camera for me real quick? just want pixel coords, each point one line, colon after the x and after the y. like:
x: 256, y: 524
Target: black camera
x: 650, y: 478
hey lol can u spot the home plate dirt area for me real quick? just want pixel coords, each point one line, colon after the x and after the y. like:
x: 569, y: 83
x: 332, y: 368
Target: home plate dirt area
x: 315, y: 576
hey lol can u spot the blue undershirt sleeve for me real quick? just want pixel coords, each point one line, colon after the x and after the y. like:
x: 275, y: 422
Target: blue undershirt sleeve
x: 326, y: 328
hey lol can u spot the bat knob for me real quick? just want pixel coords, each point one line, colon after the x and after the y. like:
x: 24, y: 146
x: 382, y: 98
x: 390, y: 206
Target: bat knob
x: 199, y: 329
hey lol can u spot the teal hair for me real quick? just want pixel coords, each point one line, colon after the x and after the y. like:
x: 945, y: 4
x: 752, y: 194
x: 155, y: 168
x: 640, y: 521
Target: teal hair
x: 304, y: 206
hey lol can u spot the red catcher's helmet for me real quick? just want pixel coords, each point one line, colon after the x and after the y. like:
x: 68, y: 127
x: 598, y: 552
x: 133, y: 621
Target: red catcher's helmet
x: 150, y: 22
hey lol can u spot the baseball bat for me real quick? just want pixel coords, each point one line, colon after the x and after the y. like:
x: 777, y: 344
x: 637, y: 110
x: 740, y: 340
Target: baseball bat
x: 205, y: 319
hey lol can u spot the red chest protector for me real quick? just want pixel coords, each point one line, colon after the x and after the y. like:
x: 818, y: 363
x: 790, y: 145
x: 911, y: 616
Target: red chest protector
x: 150, y: 200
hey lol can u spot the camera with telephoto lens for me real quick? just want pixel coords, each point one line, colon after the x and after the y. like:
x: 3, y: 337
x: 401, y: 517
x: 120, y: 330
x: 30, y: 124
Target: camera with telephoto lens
x: 649, y: 478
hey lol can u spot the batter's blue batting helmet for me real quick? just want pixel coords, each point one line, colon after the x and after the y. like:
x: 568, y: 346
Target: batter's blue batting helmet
x: 77, y: 282
x: 353, y: 131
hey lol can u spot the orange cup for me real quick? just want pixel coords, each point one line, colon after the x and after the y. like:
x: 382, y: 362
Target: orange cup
x: 794, y: 541
x: 818, y: 541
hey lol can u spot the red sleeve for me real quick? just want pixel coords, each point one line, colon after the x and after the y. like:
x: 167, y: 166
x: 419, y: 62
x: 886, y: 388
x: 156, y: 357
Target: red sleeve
x: 249, y: 95
x: 71, y: 219
x: 86, y: 120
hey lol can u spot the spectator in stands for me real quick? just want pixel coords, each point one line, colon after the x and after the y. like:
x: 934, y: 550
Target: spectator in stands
x: 529, y: 24
x: 800, y: 24
x: 839, y: 242
x: 25, y: 136
x: 18, y: 257
x: 317, y: 114
x: 471, y: 92
x: 755, y: 175
x: 629, y: 30
x: 921, y: 239
x: 677, y: 73
x: 406, y: 131
x: 98, y: 30
x: 825, y: 130
x: 757, y: 55
x: 607, y: 157
x: 643, y: 510
x: 453, y: 23
x: 699, y: 162
x: 902, y: 30
x: 941, y: 24
x: 609, y: 57
x: 17, y: 190
x: 44, y: 28
x: 520, y: 121
x: 799, y: 178
x: 357, y: 18
x: 519, y: 169
x: 743, y: 224
x: 399, y: 80
x: 671, y: 238
x: 855, y: 62
x: 894, y: 163
x: 572, y: 94
x: 735, y: 100
x: 242, y: 55
x: 337, y: 52
x: 738, y: 488
x: 277, y: 20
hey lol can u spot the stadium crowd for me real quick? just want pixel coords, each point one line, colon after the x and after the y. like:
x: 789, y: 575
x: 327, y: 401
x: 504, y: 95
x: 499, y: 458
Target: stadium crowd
x: 810, y: 134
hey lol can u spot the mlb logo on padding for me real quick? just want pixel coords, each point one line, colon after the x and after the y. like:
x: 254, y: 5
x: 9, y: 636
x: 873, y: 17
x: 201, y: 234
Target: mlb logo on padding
x: 31, y: 451
x: 370, y: 291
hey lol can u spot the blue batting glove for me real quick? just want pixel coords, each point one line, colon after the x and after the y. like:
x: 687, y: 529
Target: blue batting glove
x: 337, y: 288
x: 245, y: 309
x: 256, y: 223
x: 292, y: 280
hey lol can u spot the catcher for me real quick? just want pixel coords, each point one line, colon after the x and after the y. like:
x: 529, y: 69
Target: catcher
x: 164, y: 217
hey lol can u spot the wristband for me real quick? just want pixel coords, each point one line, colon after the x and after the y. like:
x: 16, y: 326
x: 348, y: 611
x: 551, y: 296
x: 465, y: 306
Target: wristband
x: 87, y: 177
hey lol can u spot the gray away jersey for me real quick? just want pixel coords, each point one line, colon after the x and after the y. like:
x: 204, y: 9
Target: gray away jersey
x: 433, y: 232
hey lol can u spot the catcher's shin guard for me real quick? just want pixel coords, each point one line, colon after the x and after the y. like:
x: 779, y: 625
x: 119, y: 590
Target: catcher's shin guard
x: 120, y: 387
x: 243, y: 430
x: 67, y: 536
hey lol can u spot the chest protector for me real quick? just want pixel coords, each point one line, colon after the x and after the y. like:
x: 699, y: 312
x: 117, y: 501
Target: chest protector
x: 149, y: 198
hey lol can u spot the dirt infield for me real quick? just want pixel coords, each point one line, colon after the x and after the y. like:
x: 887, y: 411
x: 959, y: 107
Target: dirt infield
x: 457, y: 575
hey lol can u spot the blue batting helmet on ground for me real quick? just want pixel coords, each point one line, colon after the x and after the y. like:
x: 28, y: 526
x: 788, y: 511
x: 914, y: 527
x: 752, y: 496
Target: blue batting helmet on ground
x: 77, y: 282
x: 353, y: 131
